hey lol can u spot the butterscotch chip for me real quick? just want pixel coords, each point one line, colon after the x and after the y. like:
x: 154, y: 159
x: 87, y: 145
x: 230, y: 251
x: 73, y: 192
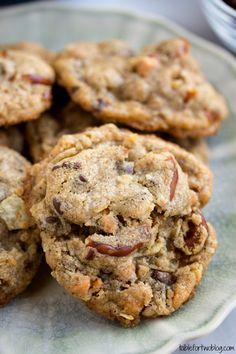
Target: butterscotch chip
x: 159, y: 89
x: 20, y: 253
x: 120, y: 227
x: 25, y: 86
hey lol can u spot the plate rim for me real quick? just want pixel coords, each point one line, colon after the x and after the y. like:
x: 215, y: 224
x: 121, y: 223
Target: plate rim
x: 222, y: 312
x: 146, y: 16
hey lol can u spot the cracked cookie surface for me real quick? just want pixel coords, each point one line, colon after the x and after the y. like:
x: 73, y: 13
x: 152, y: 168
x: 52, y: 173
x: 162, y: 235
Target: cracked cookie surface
x: 25, y: 86
x: 159, y: 89
x: 19, y: 240
x: 120, y: 221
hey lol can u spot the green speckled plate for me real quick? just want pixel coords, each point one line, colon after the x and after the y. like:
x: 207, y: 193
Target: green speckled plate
x: 44, y: 320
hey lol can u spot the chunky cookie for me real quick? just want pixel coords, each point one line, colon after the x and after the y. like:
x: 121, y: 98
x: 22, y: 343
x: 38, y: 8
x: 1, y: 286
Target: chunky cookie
x: 12, y: 137
x: 139, y: 271
x: 44, y: 133
x: 19, y: 240
x: 25, y: 86
x: 120, y: 221
x: 33, y: 48
x: 159, y: 89
x: 19, y: 260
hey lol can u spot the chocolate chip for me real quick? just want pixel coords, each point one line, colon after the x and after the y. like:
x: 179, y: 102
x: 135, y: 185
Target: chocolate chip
x: 124, y: 167
x: 63, y: 165
x: 56, y: 167
x: 51, y: 219
x: 75, y: 165
x: 57, y: 205
x: 129, y: 169
x: 164, y: 277
x: 100, y: 105
x: 83, y: 178
x: 66, y: 165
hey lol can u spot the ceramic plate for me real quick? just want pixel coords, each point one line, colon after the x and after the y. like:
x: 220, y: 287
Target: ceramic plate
x: 45, y: 320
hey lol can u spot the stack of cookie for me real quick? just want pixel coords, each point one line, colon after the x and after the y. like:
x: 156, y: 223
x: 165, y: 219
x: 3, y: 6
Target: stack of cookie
x: 116, y: 207
x: 25, y: 91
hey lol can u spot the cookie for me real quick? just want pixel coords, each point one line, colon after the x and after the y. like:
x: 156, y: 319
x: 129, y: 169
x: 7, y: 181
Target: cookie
x: 31, y: 47
x: 20, y: 253
x: 25, y: 86
x: 159, y: 89
x: 134, y: 273
x: 12, y: 137
x: 44, y: 133
x: 20, y: 256
x: 113, y: 205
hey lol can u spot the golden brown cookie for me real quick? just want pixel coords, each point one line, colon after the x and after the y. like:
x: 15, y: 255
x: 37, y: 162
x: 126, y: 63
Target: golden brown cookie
x: 159, y: 89
x: 25, y: 86
x: 120, y: 221
x: 20, y: 253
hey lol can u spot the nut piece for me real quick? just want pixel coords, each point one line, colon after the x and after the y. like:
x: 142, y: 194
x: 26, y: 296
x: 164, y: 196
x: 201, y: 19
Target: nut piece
x: 145, y: 65
x: 119, y: 251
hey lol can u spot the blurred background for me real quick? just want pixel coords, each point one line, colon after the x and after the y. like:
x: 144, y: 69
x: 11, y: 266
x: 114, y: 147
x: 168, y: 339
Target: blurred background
x: 191, y: 14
